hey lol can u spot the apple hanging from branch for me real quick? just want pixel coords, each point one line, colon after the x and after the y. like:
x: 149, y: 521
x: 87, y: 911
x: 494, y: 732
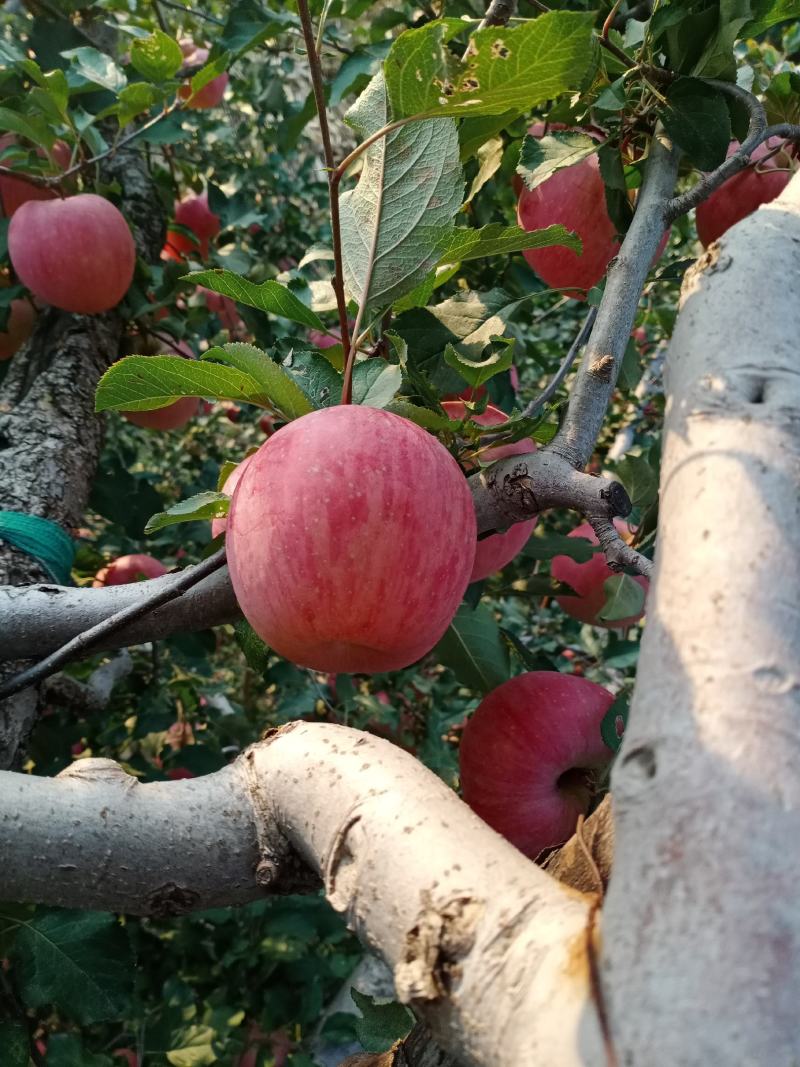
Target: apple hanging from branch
x: 134, y: 568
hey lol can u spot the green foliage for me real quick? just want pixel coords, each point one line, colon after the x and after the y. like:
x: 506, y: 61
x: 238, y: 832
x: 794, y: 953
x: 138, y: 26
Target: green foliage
x: 541, y: 157
x: 474, y: 650
x: 380, y: 1025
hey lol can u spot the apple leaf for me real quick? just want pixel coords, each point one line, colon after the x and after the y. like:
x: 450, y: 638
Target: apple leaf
x: 67, y: 1050
x: 478, y: 371
x: 79, y: 961
x: 424, y: 417
x: 639, y: 479
x: 145, y: 383
x: 768, y: 13
x: 474, y: 650
x: 157, y: 57
x: 320, y: 381
x: 210, y: 71
x: 95, y: 68
x: 271, y: 296
x: 134, y: 99
x: 697, y: 119
x: 380, y: 1025
x: 504, y: 69
x: 541, y: 157
x: 624, y: 598
x: 490, y: 156
x: 402, y: 208
x: 612, y: 728
x: 201, y: 506
x: 283, y: 392
x: 255, y: 652
x: 14, y: 1043
x: 375, y: 383
x: 498, y: 239
x: 31, y: 127
x: 545, y: 545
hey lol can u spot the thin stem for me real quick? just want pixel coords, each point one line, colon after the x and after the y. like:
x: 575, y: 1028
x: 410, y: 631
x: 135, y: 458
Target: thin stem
x: 86, y: 640
x: 347, y: 385
x: 348, y: 161
x: 162, y: 22
x: 610, y: 21
x: 544, y: 397
x: 321, y: 28
x: 315, y: 69
x: 191, y: 11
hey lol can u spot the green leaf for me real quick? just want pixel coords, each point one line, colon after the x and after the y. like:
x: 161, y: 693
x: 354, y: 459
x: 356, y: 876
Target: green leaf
x: 541, y: 157
x: 56, y: 85
x: 472, y: 133
x: 144, y: 383
x: 545, y: 545
x: 255, y: 652
x: 315, y: 375
x: 498, y: 239
x: 504, y: 70
x: 248, y: 25
x: 478, y: 371
x: 474, y: 649
x: 381, y: 1024
x: 201, y: 506
x: 271, y: 296
x: 97, y: 68
x: 639, y: 479
x: 157, y: 57
x: 697, y: 119
x: 768, y: 13
x: 194, y: 1047
x: 78, y: 961
x: 281, y: 391
x: 134, y: 99
x: 31, y: 127
x: 210, y: 71
x: 619, y: 710
x: 14, y: 1044
x: 624, y: 598
x: 409, y: 189
x: 717, y: 59
x: 424, y: 417
x: 67, y: 1050
x: 375, y: 383
x: 490, y: 156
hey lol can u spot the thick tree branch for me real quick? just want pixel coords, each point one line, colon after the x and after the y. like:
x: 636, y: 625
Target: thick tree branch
x: 597, y: 374
x: 701, y: 931
x: 375, y: 826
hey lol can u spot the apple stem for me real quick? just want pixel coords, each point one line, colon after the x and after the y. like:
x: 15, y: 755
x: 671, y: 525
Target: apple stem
x: 315, y: 68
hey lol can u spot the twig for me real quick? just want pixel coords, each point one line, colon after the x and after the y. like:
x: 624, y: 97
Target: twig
x: 757, y: 133
x: 162, y: 22
x: 498, y: 13
x: 609, y: 20
x: 583, y: 336
x: 617, y: 553
x: 315, y: 69
x: 191, y: 11
x: 84, y: 641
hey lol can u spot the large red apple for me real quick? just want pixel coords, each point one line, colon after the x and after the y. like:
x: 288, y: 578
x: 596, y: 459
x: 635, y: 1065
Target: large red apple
x: 194, y: 213
x: 573, y: 197
x: 740, y: 195
x: 19, y: 326
x: 128, y: 569
x: 351, y: 539
x: 587, y: 580
x: 233, y: 479
x: 493, y: 553
x: 173, y: 416
x: 528, y: 754
x: 212, y: 92
x: 76, y: 254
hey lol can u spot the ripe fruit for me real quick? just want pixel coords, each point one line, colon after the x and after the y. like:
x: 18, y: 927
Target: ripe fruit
x: 212, y: 92
x: 76, y: 254
x: 493, y: 553
x: 129, y: 569
x: 587, y: 580
x: 233, y: 479
x: 351, y: 539
x: 527, y: 756
x: 175, y: 415
x: 194, y: 213
x: 740, y: 195
x: 574, y: 197
x: 19, y: 326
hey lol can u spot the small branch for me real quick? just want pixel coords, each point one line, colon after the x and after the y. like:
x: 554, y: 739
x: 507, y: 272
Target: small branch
x: 84, y: 642
x: 93, y: 695
x: 539, y: 402
x: 609, y: 22
x: 333, y: 187
x: 193, y: 11
x: 498, y: 13
x: 618, y: 554
x: 757, y: 133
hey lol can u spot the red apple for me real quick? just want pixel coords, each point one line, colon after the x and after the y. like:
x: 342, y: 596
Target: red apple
x: 267, y: 424
x: 587, y: 580
x: 351, y: 539
x: 128, y: 569
x: 233, y: 479
x: 740, y: 195
x: 493, y: 553
x: 19, y: 327
x: 212, y: 92
x: 528, y: 754
x: 194, y: 213
x: 76, y: 254
x: 173, y: 416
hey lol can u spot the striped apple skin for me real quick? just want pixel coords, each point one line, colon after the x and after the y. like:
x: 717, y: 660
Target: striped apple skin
x: 351, y: 539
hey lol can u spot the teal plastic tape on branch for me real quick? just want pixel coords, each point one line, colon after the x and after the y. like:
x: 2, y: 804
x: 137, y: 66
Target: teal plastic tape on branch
x: 45, y: 541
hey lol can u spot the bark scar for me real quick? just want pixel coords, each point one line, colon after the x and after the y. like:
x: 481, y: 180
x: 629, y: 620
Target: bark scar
x: 601, y: 367
x: 435, y: 946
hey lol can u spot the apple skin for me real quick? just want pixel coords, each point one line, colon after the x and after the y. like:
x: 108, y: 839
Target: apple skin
x: 740, y: 195
x: 173, y: 416
x: 76, y: 254
x: 351, y: 539
x: 587, y: 580
x: 218, y: 526
x: 493, y: 553
x: 194, y: 213
x: 18, y: 329
x: 517, y: 746
x: 128, y: 569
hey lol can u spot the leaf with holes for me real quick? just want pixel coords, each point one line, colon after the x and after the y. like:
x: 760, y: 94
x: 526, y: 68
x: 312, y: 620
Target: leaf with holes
x: 157, y: 57
x: 396, y: 218
x: 503, y: 69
